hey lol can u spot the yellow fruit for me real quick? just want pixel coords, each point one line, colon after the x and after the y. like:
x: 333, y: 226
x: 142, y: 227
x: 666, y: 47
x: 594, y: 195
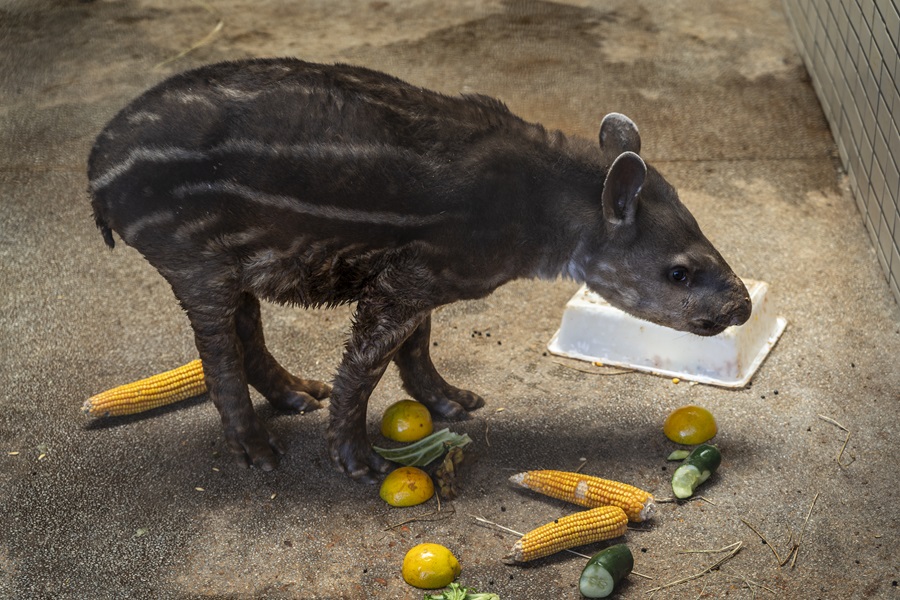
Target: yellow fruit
x: 407, y: 486
x: 690, y: 425
x: 430, y: 566
x: 406, y: 421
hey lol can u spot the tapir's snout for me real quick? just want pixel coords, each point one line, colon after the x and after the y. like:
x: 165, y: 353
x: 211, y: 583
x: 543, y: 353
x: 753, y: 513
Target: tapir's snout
x: 735, y: 311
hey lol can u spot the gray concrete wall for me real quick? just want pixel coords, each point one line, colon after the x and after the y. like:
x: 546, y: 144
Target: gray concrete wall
x: 850, y: 50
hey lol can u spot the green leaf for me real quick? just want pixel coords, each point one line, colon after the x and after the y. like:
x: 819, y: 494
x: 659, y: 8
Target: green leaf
x: 426, y: 450
x: 455, y: 592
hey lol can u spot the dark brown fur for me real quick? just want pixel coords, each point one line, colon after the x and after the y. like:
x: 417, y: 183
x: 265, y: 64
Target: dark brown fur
x: 321, y: 185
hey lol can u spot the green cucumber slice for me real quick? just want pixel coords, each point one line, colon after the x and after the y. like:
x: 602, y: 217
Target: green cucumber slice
x: 605, y: 570
x: 696, y: 468
x: 685, y: 481
x: 678, y: 455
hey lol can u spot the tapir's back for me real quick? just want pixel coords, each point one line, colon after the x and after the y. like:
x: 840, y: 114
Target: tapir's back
x: 291, y: 100
x: 289, y: 126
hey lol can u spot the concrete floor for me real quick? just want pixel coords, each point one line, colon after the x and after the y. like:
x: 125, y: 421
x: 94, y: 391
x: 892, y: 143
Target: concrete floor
x: 112, y: 510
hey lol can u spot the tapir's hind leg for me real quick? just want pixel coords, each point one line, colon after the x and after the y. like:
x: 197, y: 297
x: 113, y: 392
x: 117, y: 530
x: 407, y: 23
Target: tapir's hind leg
x: 211, y: 310
x: 425, y: 384
x: 283, y: 390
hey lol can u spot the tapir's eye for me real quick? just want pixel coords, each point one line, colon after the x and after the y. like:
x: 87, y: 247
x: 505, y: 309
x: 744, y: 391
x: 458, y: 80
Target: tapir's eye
x: 678, y: 274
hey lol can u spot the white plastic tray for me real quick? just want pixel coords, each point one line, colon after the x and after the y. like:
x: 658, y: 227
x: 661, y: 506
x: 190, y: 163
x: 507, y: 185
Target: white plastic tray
x: 592, y: 330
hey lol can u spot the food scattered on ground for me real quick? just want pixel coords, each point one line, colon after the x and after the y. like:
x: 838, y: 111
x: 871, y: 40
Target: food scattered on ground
x: 605, y: 570
x: 457, y: 592
x: 446, y: 474
x: 406, y: 421
x: 426, y: 450
x: 690, y: 425
x: 578, y: 529
x: 161, y: 389
x: 678, y: 455
x: 407, y: 486
x: 696, y: 468
x: 586, y: 490
x: 430, y: 566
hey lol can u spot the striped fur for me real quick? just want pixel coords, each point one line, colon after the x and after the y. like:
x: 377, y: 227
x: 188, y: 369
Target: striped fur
x: 325, y: 184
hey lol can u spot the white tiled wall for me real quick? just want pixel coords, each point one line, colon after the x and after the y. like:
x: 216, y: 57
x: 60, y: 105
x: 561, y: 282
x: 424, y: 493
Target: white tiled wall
x: 850, y: 48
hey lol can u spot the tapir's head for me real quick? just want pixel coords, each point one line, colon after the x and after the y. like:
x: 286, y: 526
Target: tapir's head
x: 652, y: 260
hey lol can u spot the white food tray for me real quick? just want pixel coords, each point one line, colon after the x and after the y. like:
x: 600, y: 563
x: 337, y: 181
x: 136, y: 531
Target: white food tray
x: 592, y: 330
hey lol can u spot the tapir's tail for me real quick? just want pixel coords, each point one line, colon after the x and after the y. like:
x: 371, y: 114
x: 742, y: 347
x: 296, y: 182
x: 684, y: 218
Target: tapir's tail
x: 100, y: 220
x: 106, y: 232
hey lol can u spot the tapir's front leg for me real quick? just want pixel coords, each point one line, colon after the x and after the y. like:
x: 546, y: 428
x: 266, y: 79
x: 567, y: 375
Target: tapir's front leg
x: 425, y: 384
x: 379, y: 328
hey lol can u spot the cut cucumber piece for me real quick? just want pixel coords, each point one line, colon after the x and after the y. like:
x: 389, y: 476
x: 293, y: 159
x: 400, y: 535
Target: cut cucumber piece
x: 696, y: 468
x: 685, y: 481
x: 605, y: 570
x: 678, y: 455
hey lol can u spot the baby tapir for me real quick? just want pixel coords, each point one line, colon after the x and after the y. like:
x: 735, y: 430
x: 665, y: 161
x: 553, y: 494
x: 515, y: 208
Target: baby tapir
x: 320, y: 185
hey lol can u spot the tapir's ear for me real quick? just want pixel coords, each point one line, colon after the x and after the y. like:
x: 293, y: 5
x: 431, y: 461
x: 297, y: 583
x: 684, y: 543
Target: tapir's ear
x: 618, y: 134
x: 622, y: 186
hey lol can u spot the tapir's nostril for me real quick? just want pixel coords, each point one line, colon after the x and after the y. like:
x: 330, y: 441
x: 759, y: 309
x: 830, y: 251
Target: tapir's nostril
x: 742, y: 312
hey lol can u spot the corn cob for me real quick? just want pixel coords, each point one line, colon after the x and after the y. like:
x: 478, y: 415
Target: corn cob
x: 589, y: 491
x: 164, y: 388
x: 585, y: 527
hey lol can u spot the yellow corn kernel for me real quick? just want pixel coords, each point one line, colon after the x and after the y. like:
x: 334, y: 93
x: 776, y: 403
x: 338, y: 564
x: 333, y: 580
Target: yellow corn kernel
x: 589, y: 491
x: 585, y: 527
x: 172, y: 386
